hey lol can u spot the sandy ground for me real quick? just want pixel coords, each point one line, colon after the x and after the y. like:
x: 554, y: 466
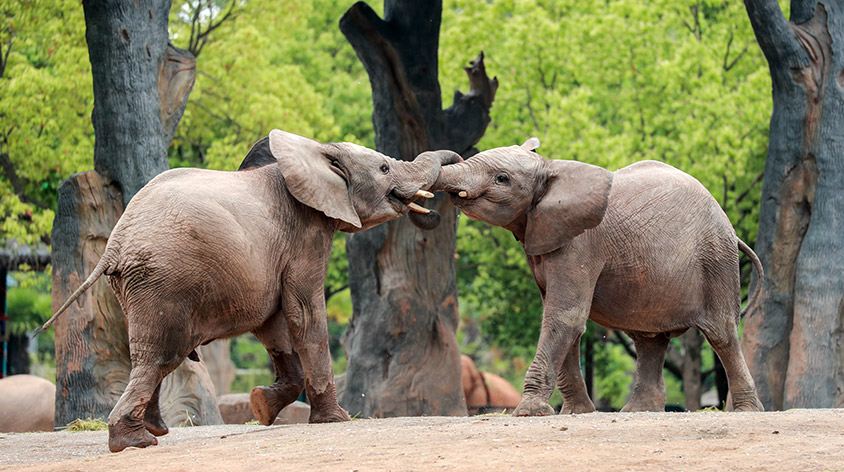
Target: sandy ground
x: 792, y: 440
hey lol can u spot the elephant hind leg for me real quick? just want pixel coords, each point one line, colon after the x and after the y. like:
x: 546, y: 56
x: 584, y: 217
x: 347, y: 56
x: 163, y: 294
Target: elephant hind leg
x: 648, y: 392
x: 153, y: 421
x: 722, y: 333
x: 126, y: 423
x: 157, y: 345
x: 267, y: 402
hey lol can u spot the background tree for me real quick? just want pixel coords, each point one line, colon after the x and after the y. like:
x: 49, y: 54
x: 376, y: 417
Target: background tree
x: 141, y: 84
x: 794, y: 341
x: 403, y: 356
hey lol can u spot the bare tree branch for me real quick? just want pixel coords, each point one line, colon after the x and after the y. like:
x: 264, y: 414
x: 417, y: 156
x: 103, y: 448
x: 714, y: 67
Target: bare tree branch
x: 199, y: 32
x: 774, y: 33
x: 4, y: 56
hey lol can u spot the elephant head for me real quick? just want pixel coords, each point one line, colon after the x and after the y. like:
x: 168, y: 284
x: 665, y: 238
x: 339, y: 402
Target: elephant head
x: 545, y: 203
x: 357, y: 186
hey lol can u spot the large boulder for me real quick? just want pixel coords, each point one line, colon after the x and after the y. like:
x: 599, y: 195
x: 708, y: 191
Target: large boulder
x: 27, y: 403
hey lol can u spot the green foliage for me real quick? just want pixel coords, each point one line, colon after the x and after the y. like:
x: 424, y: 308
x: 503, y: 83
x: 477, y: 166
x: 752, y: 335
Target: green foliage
x: 45, y: 111
x: 28, y: 304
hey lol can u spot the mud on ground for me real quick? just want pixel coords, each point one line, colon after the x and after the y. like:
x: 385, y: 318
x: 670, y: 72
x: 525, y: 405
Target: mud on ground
x: 792, y: 440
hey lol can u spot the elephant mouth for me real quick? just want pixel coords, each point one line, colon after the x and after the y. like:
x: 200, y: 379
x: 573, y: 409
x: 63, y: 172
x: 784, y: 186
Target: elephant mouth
x: 424, y: 218
x: 404, y: 205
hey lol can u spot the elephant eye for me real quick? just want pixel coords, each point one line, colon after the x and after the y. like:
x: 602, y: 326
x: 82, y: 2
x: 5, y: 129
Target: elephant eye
x: 502, y: 179
x: 385, y: 168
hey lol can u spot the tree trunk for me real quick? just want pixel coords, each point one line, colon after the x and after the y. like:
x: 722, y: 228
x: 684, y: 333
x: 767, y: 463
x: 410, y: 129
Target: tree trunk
x: 692, y: 342
x: 141, y: 85
x: 793, y: 342
x: 403, y: 356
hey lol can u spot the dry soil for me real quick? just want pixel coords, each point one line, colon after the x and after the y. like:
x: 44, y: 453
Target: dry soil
x: 791, y: 440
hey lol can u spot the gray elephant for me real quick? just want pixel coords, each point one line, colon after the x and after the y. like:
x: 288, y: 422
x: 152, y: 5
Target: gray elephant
x: 645, y: 249
x: 200, y: 255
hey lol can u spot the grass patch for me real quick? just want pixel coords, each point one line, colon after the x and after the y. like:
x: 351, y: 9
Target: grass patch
x: 89, y: 424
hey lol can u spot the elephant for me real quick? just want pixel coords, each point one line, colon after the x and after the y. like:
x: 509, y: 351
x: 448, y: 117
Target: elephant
x: 27, y: 403
x: 200, y: 255
x: 645, y: 249
x: 485, y: 392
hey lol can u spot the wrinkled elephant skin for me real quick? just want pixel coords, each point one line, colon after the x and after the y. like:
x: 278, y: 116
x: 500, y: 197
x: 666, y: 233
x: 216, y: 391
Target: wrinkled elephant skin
x: 645, y: 249
x: 200, y: 255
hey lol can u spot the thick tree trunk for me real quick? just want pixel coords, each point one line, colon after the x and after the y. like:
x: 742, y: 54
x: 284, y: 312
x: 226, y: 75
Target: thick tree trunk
x: 793, y: 342
x: 692, y: 341
x: 141, y: 85
x: 403, y: 356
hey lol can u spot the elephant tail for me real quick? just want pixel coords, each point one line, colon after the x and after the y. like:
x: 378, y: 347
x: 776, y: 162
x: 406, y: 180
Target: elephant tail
x: 97, y: 272
x: 754, y: 298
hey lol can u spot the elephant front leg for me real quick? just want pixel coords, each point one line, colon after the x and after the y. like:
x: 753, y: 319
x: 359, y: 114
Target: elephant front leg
x: 309, y: 334
x: 560, y: 330
x: 571, y: 384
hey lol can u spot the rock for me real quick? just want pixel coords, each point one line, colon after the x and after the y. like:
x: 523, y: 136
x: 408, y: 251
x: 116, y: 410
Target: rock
x: 27, y: 403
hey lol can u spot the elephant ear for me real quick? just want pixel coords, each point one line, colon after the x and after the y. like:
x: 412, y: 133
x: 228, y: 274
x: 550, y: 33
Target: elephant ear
x: 531, y: 144
x: 306, y: 167
x: 575, y: 199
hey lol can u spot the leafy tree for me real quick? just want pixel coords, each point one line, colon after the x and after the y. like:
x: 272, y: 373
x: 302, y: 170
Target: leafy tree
x: 45, y: 110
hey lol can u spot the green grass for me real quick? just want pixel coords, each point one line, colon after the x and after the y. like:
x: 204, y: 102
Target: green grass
x: 89, y: 424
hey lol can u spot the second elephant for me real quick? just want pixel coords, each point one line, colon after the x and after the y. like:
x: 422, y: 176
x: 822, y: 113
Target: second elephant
x: 645, y: 249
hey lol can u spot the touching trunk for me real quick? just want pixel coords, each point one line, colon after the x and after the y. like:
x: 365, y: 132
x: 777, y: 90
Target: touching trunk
x: 422, y: 173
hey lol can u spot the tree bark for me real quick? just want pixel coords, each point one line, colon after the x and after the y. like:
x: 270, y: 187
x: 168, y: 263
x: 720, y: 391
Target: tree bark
x: 141, y: 85
x: 793, y: 341
x: 403, y: 356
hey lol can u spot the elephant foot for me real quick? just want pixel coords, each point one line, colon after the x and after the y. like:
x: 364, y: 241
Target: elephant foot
x: 751, y: 403
x: 577, y: 408
x: 336, y: 415
x: 129, y: 433
x: 533, y: 406
x: 155, y: 425
x: 263, y: 408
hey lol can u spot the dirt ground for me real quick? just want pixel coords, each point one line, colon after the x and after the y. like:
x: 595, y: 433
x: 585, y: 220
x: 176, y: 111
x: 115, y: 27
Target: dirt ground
x: 792, y: 440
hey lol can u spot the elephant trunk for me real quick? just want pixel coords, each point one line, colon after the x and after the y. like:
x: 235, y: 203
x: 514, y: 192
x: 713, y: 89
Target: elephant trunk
x: 450, y: 179
x: 422, y: 172
x: 415, y: 177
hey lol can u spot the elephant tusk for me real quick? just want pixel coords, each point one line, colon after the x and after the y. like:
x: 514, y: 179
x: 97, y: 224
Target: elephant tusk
x: 463, y: 194
x: 424, y: 194
x: 418, y: 209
